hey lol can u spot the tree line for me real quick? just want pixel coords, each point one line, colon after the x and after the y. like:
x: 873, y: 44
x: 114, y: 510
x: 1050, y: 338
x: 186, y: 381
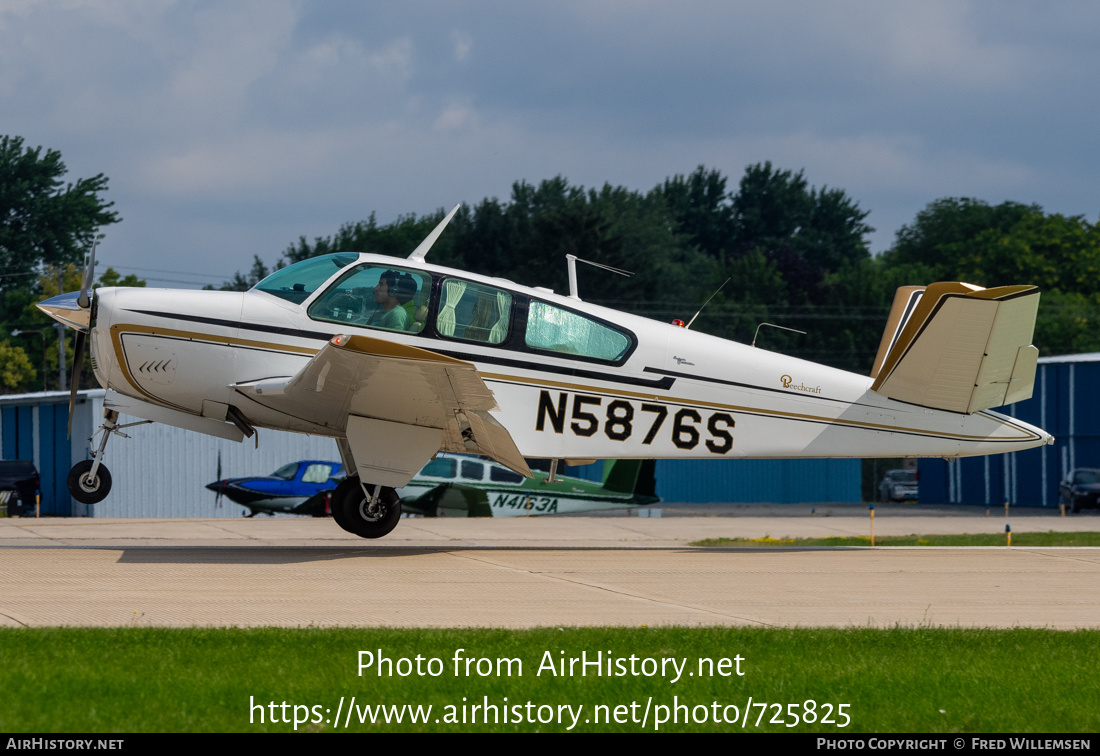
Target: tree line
x: 791, y: 254
x: 794, y: 255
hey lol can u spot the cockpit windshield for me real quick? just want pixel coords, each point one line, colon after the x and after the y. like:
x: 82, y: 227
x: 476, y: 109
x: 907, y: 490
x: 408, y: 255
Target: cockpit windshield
x: 296, y: 282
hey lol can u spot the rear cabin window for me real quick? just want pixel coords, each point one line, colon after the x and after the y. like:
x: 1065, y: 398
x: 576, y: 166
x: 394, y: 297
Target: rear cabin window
x: 472, y: 470
x: 474, y: 312
x: 553, y: 329
x: 295, y: 283
x: 376, y: 296
x: 504, y: 475
x: 317, y: 474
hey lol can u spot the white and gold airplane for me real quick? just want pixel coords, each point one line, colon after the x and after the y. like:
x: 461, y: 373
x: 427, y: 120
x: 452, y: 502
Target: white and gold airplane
x: 398, y: 359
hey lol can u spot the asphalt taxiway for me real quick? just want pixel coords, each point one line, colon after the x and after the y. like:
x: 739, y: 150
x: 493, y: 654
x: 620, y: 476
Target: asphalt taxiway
x: 543, y: 572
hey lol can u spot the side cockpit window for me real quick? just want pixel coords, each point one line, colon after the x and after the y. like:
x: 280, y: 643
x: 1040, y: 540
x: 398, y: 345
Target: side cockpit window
x: 552, y: 329
x: 287, y: 471
x: 474, y: 312
x: 376, y: 296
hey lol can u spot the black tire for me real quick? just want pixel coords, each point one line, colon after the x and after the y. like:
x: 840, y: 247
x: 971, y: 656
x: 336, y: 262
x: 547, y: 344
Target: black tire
x: 336, y: 503
x: 351, y: 503
x: 84, y: 489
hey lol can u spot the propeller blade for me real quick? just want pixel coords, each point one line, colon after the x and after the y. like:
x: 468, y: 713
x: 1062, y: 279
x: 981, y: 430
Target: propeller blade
x: 86, y: 280
x: 221, y: 488
x: 78, y: 365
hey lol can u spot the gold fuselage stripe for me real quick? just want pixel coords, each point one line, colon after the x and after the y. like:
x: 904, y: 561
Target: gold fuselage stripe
x: 118, y: 330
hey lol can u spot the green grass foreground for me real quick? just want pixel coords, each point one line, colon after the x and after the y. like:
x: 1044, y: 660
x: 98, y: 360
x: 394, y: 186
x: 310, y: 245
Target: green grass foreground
x: 202, y: 680
x: 1049, y: 538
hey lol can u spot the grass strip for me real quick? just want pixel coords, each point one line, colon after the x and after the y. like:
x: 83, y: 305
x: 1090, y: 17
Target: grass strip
x: 1049, y: 538
x: 228, y: 680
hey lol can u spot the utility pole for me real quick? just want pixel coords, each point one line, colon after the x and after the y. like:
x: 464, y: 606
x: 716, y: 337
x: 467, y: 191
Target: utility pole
x: 61, y: 373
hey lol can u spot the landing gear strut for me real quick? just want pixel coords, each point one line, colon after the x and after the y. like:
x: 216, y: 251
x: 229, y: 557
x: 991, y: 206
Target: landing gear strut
x: 366, y: 516
x: 89, y: 480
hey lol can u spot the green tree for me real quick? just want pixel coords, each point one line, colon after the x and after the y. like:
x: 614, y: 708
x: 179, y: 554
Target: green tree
x: 823, y: 226
x: 15, y: 366
x: 41, y: 333
x: 112, y: 277
x: 702, y: 210
x: 962, y: 239
x: 44, y: 221
x: 792, y: 253
x: 942, y: 235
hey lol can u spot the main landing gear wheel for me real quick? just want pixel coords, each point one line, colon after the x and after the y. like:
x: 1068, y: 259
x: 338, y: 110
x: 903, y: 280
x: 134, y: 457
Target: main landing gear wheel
x: 336, y: 503
x: 86, y: 489
x: 354, y: 512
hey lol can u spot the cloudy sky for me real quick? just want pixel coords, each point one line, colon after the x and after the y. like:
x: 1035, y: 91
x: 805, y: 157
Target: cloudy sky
x: 228, y: 129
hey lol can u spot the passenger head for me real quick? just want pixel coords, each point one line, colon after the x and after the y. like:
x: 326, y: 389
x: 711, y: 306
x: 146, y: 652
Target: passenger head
x: 405, y: 288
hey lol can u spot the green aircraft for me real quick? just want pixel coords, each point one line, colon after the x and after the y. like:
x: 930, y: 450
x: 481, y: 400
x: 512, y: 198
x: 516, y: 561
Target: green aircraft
x: 453, y: 485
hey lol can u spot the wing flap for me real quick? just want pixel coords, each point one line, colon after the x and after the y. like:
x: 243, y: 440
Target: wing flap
x: 388, y: 453
x: 962, y: 348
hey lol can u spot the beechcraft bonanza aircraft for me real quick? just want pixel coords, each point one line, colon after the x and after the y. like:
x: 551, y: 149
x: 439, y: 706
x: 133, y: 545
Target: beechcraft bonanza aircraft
x: 398, y: 360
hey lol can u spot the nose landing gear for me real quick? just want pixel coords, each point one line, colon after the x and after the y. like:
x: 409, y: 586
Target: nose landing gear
x: 89, y: 480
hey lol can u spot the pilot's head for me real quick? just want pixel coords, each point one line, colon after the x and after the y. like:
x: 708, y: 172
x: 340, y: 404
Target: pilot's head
x: 385, y: 293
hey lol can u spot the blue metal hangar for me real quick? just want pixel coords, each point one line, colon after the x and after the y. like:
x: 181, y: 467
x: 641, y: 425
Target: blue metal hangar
x: 1066, y: 404
x: 161, y: 471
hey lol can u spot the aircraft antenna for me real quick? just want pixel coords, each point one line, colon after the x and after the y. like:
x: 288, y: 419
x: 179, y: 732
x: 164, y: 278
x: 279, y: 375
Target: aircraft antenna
x: 693, y: 317
x: 571, y: 264
x: 773, y: 325
x: 421, y: 251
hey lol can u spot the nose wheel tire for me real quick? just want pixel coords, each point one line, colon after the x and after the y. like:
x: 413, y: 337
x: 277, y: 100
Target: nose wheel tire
x: 352, y: 510
x: 86, y: 489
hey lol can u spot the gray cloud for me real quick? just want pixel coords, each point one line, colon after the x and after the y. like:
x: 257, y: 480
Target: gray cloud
x: 230, y: 129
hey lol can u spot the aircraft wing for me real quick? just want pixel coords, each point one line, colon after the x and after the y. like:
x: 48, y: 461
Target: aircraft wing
x: 959, y: 347
x: 398, y: 405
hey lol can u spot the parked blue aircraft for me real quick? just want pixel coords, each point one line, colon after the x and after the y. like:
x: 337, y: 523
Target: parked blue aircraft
x: 302, y: 488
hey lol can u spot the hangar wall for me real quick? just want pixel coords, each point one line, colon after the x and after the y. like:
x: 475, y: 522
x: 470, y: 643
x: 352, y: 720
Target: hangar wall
x: 749, y: 481
x: 161, y: 471
x: 1066, y: 405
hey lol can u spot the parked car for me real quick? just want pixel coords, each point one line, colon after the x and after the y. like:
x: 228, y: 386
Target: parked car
x: 898, y: 485
x: 1080, y: 489
x: 20, y: 482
